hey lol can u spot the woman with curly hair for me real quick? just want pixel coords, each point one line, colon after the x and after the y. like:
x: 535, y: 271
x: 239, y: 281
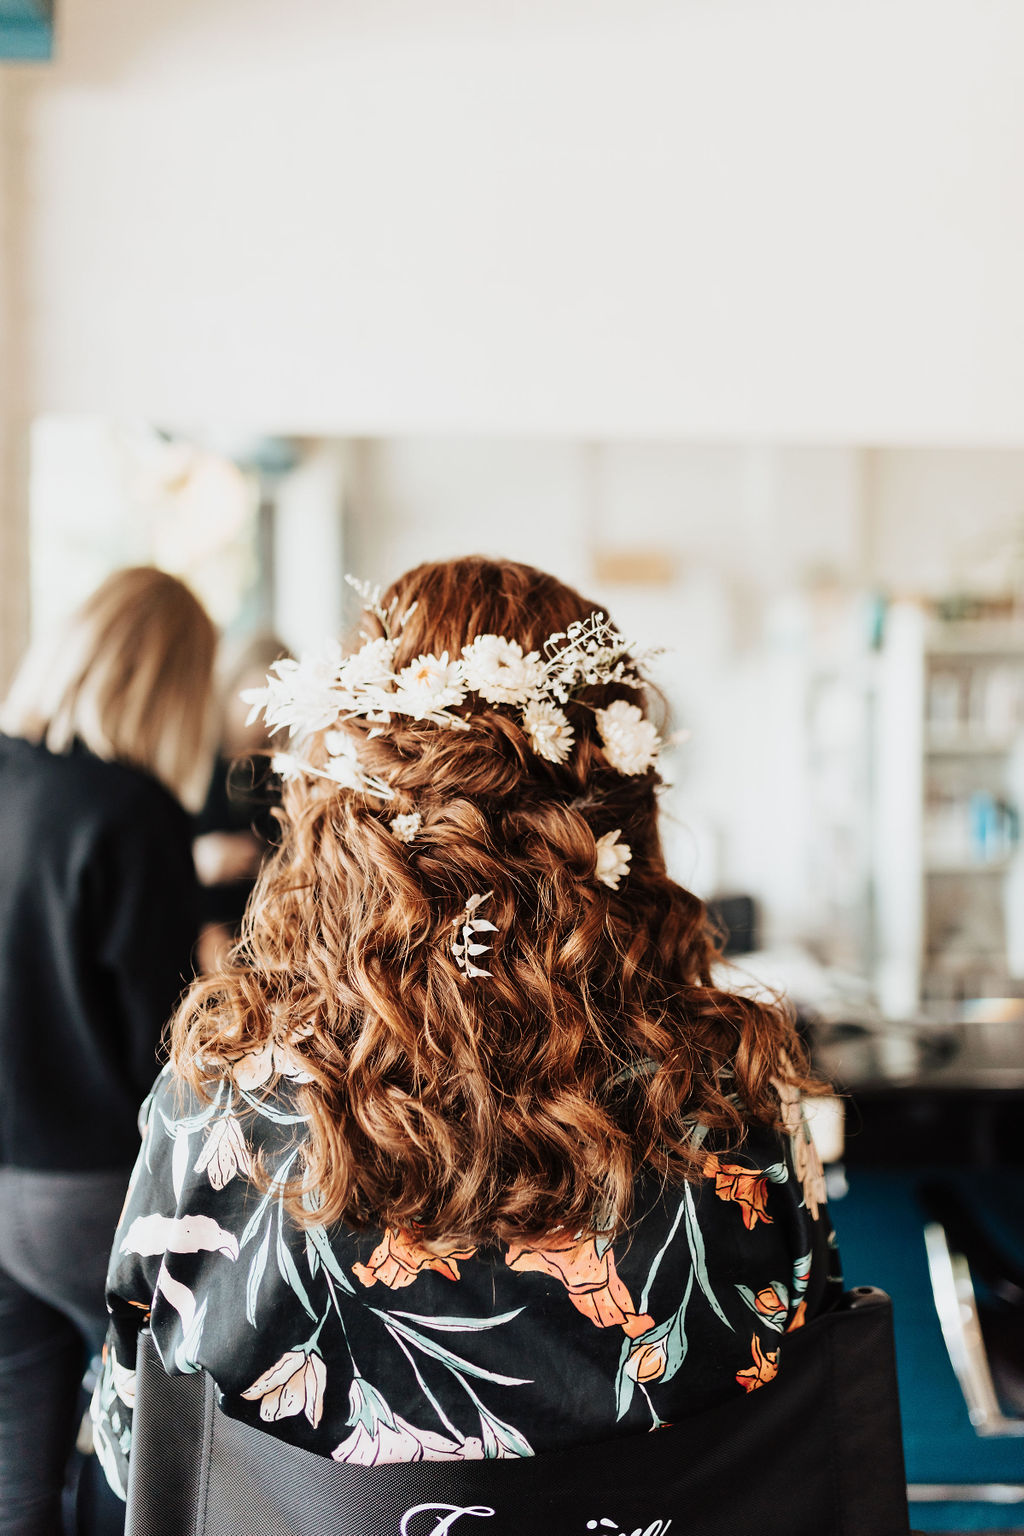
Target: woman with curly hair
x: 463, y: 1153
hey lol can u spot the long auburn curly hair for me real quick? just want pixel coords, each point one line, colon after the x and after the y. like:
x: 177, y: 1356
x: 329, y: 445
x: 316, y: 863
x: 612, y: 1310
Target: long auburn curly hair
x: 487, y: 1109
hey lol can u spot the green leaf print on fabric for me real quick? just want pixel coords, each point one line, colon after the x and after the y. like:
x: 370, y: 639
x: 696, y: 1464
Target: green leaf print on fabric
x: 446, y: 1357
x: 274, y: 1191
x: 695, y: 1239
x: 501, y: 1439
x: 321, y: 1243
x: 287, y: 1266
x: 458, y: 1324
x: 257, y: 1268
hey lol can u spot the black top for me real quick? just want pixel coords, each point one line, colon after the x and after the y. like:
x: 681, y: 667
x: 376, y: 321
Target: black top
x: 97, y: 924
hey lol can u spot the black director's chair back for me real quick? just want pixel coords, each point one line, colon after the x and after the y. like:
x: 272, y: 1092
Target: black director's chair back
x: 817, y: 1452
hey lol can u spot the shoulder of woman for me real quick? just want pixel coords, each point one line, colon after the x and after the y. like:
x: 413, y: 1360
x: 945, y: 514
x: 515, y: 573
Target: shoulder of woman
x: 80, y: 786
x: 223, y: 1131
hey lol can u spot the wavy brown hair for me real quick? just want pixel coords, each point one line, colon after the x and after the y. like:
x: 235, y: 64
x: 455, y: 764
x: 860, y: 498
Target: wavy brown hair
x: 498, y: 1108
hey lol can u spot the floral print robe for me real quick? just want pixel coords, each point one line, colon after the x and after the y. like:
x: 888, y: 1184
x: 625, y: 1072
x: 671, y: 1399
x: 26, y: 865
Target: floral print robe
x: 372, y: 1347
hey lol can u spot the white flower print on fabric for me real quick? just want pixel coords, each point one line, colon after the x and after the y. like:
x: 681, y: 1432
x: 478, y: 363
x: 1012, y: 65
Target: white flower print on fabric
x: 406, y: 827
x: 630, y: 742
x: 466, y: 943
x: 497, y: 670
x: 124, y: 1382
x: 224, y: 1153
x: 380, y: 1435
x: 252, y: 1069
x: 293, y: 1384
x: 551, y: 735
x: 612, y: 859
x: 150, y: 1235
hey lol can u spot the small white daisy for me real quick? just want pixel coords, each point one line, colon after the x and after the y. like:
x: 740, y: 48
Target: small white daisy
x: 549, y: 731
x: 428, y: 686
x: 498, y: 671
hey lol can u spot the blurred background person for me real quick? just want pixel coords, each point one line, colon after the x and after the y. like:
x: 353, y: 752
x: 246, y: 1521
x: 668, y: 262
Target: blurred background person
x: 106, y: 751
x: 236, y: 825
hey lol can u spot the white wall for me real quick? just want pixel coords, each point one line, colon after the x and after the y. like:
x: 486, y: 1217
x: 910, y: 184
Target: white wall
x: 799, y: 219
x: 944, y: 521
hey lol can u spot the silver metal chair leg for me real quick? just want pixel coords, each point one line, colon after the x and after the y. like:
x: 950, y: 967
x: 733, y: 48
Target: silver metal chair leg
x: 957, y: 1307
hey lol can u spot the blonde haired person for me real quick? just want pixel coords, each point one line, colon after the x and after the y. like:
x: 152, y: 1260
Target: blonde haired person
x: 105, y: 751
x: 463, y: 1153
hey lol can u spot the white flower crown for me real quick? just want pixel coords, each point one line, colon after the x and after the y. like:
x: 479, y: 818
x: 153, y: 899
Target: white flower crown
x: 320, y: 692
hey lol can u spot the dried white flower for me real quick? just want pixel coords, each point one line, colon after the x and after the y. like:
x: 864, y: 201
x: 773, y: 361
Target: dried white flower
x: 427, y: 687
x: 612, y: 859
x: 591, y: 652
x: 300, y: 695
x: 287, y: 766
x: 549, y: 731
x: 372, y: 666
x: 497, y: 670
x: 630, y: 742
x: 342, y: 763
x: 465, y: 943
x: 406, y: 827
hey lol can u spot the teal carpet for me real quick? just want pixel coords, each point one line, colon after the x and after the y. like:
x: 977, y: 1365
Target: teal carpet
x: 879, y: 1226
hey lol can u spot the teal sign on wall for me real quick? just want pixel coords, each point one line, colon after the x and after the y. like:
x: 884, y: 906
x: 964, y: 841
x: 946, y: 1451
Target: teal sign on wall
x: 26, y: 29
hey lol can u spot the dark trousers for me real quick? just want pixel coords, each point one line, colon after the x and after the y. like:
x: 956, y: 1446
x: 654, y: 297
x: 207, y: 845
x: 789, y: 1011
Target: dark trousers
x: 55, y: 1235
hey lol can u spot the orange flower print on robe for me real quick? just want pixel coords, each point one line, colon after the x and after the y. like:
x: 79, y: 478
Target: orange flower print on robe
x: 647, y: 1362
x: 765, y: 1367
x: 799, y: 1317
x: 398, y: 1258
x: 589, y: 1277
x: 746, y: 1186
x: 772, y: 1302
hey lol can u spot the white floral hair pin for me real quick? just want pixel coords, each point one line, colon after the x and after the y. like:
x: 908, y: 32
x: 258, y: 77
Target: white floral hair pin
x: 466, y: 944
x: 319, y: 693
x: 612, y: 859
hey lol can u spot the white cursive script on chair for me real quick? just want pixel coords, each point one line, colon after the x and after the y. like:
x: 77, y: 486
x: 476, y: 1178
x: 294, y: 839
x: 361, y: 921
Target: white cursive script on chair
x: 656, y: 1528
x: 447, y: 1514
